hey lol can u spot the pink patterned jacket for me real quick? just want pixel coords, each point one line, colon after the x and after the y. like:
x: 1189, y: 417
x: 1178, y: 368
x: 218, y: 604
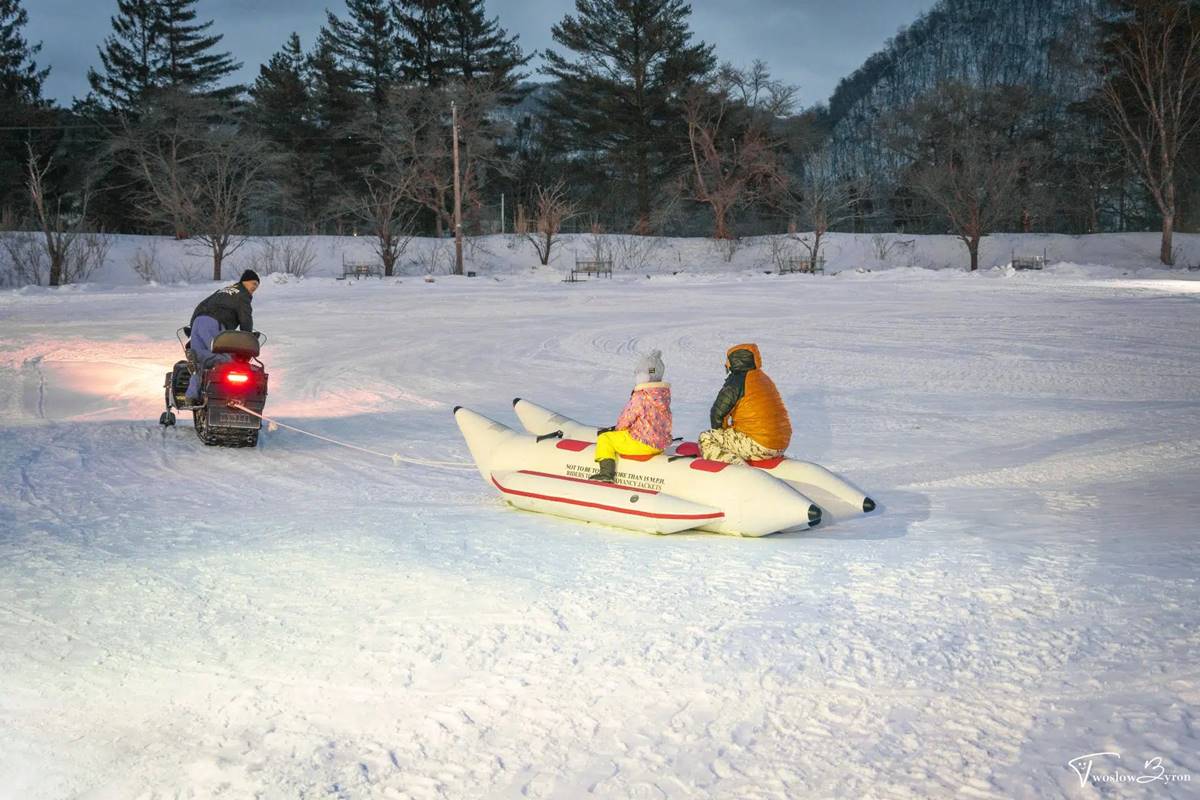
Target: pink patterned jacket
x: 647, y: 415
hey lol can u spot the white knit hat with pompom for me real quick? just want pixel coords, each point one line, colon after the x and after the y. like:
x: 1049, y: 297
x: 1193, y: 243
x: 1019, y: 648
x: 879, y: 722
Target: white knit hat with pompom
x: 649, y: 368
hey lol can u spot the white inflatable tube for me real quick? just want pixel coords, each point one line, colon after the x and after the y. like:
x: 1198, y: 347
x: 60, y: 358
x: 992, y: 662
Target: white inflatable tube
x: 609, y: 503
x: 539, y: 420
x: 810, y: 479
x: 655, y: 495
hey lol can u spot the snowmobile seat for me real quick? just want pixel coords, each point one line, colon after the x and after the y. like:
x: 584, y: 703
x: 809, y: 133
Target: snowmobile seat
x: 239, y: 343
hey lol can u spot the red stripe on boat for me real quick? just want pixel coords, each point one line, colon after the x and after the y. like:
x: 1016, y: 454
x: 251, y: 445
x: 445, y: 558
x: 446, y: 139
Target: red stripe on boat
x: 767, y: 463
x: 704, y: 465
x: 688, y: 449
x: 602, y: 507
x: 585, y: 480
x: 574, y: 445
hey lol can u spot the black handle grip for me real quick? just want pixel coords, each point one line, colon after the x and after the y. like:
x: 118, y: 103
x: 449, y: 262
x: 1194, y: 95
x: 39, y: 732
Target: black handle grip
x: 554, y: 435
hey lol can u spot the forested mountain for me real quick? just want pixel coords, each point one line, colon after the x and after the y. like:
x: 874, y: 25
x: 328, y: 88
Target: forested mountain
x: 1048, y: 48
x: 1041, y: 43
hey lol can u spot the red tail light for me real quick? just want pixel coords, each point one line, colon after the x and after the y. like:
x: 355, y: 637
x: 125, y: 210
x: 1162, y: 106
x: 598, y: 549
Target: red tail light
x: 237, y: 378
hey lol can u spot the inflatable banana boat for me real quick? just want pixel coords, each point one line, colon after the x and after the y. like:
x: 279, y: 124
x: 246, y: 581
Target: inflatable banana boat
x: 549, y: 473
x: 837, y: 497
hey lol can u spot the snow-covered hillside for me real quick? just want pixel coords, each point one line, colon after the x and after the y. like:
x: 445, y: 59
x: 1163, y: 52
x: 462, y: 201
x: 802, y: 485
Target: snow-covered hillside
x: 302, y: 620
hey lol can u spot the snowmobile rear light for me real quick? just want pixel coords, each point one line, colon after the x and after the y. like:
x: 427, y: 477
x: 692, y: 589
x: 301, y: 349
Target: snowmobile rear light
x: 237, y: 378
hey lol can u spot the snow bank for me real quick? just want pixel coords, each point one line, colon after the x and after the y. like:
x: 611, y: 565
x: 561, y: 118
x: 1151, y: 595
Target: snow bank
x: 1100, y: 255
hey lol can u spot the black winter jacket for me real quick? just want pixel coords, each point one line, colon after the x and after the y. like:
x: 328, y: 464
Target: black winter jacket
x: 734, y: 389
x: 229, y: 306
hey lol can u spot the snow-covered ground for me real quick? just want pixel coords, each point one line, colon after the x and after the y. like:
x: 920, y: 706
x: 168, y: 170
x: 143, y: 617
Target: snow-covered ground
x: 302, y: 620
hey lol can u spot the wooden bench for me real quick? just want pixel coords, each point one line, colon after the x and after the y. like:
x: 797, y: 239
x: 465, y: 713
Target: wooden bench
x: 807, y: 265
x: 594, y: 267
x: 1029, y: 262
x: 360, y: 270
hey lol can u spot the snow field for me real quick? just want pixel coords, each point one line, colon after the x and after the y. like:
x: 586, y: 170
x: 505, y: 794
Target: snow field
x: 306, y: 621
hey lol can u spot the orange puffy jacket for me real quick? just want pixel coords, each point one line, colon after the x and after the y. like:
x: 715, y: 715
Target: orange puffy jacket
x: 749, y: 402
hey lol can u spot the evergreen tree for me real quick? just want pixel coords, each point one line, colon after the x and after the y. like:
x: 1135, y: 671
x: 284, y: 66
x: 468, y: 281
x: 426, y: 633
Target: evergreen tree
x: 477, y: 48
x: 422, y: 27
x: 482, y: 56
x: 332, y: 85
x: 155, y: 46
x: 366, y: 44
x: 620, y: 96
x: 114, y: 184
x: 283, y: 110
x: 187, y: 60
x: 131, y: 56
x: 20, y: 79
x: 20, y: 104
x: 281, y: 101
x: 335, y: 106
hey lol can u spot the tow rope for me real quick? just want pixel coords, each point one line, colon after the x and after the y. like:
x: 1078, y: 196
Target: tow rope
x: 395, y: 458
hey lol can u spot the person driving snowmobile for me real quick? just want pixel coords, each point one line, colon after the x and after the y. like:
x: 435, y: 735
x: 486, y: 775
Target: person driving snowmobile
x: 226, y: 309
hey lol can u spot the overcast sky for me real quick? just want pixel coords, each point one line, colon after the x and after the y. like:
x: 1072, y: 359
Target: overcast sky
x: 810, y: 43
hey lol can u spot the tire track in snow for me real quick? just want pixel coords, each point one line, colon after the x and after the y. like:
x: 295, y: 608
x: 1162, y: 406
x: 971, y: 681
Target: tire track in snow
x: 1112, y: 464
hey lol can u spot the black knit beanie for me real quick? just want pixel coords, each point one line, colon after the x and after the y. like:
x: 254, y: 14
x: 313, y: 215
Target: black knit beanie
x: 249, y: 275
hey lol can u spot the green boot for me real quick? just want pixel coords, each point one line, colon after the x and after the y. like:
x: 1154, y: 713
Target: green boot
x: 608, y: 471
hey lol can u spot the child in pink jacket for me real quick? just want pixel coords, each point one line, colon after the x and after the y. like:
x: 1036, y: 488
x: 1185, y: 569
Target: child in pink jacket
x: 644, y: 427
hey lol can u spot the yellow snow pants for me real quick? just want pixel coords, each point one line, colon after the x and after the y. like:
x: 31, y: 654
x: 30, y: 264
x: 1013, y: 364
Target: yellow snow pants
x: 615, y: 443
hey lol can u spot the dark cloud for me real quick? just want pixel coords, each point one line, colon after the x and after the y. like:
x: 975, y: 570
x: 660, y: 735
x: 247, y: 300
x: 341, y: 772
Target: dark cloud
x: 811, y: 43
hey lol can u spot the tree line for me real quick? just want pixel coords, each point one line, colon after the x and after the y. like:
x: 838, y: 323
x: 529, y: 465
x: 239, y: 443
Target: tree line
x: 1072, y: 116
x: 984, y: 115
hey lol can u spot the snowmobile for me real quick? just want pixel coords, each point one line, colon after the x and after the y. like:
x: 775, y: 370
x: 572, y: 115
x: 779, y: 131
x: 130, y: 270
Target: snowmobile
x: 241, y: 381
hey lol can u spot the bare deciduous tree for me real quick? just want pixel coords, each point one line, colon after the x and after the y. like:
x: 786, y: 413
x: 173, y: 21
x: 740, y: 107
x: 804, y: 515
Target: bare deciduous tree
x: 826, y: 200
x: 756, y: 90
x: 24, y: 259
x: 383, y: 205
x: 553, y: 208
x: 734, y: 160
x: 60, y: 235
x: 89, y: 254
x: 968, y: 157
x: 974, y: 191
x: 295, y: 257
x: 201, y: 172
x: 414, y: 137
x: 1151, y: 91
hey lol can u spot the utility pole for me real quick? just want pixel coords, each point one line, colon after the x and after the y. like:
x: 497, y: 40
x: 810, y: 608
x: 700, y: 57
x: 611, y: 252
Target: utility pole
x: 458, y: 261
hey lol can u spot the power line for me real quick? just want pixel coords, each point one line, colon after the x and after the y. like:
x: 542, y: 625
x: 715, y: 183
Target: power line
x: 50, y: 127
